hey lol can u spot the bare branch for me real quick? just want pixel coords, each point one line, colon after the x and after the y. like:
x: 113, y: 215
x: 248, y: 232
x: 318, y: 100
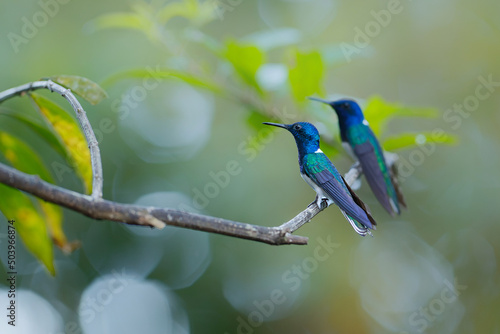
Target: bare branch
x: 95, y: 155
x: 95, y: 207
x: 302, y: 218
x: 140, y: 215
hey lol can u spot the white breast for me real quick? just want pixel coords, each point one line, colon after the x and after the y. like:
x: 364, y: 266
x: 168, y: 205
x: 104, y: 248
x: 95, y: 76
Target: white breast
x: 348, y: 149
x: 321, y: 194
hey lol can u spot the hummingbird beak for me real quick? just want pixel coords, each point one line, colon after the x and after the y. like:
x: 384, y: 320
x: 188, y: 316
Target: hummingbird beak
x: 318, y: 99
x: 276, y: 124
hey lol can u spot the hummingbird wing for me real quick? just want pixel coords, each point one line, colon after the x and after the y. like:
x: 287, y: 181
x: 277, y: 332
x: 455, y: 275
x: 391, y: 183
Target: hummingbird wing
x: 322, y: 172
x: 378, y: 176
x: 374, y: 173
x: 394, y: 179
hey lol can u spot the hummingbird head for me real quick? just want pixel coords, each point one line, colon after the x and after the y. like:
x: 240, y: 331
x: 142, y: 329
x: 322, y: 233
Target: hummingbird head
x: 348, y: 111
x: 306, y: 135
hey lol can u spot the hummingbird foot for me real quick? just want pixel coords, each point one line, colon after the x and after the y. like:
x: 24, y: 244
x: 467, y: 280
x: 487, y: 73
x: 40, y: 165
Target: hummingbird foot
x: 323, y: 204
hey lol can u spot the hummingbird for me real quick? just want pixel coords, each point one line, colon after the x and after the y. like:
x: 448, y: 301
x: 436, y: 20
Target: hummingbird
x: 319, y: 173
x: 360, y: 142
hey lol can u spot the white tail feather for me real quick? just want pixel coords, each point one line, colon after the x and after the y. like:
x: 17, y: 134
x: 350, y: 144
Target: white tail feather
x: 358, y: 230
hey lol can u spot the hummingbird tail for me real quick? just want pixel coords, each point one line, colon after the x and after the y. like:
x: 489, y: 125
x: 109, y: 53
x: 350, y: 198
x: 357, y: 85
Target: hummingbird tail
x: 358, y: 227
x: 361, y: 204
x: 395, y: 183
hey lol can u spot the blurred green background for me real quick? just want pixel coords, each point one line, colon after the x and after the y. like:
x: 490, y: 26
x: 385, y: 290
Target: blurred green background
x: 431, y: 270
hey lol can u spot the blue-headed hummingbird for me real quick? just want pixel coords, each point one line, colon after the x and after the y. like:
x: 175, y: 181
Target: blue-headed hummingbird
x: 319, y: 172
x: 360, y: 142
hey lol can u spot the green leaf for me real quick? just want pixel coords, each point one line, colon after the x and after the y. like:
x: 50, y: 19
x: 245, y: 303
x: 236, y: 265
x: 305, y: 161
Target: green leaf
x: 407, y: 140
x: 121, y: 21
x: 40, y: 130
x: 30, y: 225
x: 150, y: 20
x: 142, y: 19
x: 330, y: 150
x: 255, y: 120
x: 162, y: 74
x: 306, y: 74
x: 24, y: 159
x: 198, y: 13
x: 70, y: 135
x: 378, y: 112
x: 246, y: 60
x: 83, y: 87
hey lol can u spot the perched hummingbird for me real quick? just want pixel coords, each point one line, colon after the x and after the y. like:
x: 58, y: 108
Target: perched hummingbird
x: 360, y: 142
x: 318, y: 171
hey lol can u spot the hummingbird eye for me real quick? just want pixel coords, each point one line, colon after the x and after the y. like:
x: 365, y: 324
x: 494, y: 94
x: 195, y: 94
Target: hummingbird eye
x: 346, y: 105
x: 297, y: 127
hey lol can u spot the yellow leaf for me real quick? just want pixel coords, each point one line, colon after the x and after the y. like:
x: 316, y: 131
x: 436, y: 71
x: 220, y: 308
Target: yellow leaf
x: 29, y: 224
x: 24, y: 159
x: 70, y: 136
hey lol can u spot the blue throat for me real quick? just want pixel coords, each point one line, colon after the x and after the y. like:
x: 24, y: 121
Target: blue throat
x: 346, y: 122
x: 349, y: 114
x: 306, y: 147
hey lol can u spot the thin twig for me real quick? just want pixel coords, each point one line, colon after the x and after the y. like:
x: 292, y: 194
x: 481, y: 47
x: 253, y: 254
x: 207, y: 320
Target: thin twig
x: 95, y: 155
x: 353, y: 174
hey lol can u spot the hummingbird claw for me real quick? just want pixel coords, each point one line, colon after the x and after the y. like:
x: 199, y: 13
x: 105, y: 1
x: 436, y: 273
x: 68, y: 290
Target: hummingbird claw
x: 323, y: 204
